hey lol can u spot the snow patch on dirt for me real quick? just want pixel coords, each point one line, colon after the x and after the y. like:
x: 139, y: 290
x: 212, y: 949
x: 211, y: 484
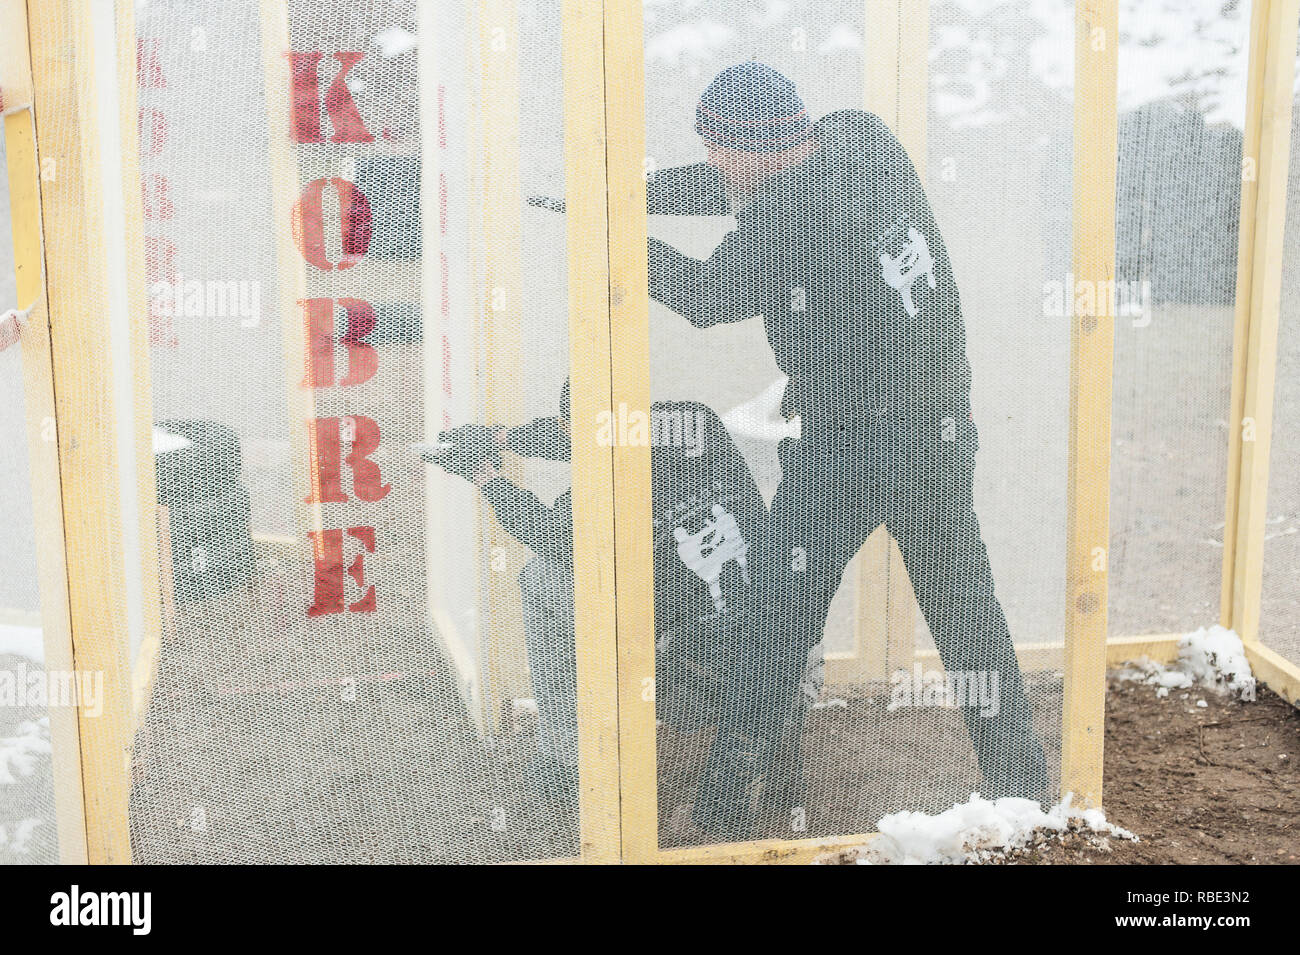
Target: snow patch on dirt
x: 1211, y: 657
x: 977, y: 831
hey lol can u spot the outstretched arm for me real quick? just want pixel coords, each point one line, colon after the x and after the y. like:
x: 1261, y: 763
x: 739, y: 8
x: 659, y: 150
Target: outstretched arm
x: 729, y: 286
x: 695, y: 190
x: 541, y: 438
x: 547, y: 531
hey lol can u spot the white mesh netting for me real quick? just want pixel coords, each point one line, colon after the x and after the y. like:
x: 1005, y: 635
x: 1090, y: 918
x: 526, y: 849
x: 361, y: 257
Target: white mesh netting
x: 358, y: 388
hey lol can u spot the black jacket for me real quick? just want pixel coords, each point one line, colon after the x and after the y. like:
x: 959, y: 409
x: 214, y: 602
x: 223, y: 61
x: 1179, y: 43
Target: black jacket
x: 858, y: 335
x: 695, y: 465
x: 547, y: 531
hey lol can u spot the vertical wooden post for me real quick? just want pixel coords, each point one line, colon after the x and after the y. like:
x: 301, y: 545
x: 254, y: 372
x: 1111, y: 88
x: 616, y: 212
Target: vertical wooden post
x: 1091, y: 360
x: 630, y: 330
x: 897, y: 76
x: 72, y: 134
x: 1267, y: 145
x: 591, y: 350
x: 452, y: 545
x: 23, y: 169
x: 291, y: 269
x: 144, y: 663
x: 1241, y: 305
x: 502, y: 316
x: 896, y: 86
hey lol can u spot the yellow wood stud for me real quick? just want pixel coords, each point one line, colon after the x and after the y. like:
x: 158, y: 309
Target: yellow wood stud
x: 1254, y: 427
x: 1091, y: 362
x: 23, y: 170
x: 590, y: 359
x: 501, y: 322
x: 62, y: 42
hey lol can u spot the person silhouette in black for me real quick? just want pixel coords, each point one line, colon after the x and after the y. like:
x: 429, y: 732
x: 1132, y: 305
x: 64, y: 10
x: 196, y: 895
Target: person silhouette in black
x: 837, y: 251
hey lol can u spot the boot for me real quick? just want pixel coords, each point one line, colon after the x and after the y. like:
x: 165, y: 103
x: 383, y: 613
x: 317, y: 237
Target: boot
x: 1022, y: 774
x: 724, y: 799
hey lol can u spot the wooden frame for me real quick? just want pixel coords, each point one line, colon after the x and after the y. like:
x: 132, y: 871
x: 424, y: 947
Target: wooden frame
x: 1275, y: 671
x: 80, y: 533
x: 1084, y: 653
x: 1262, y: 232
x: 1259, y: 283
x: 291, y: 270
x: 491, y: 664
x: 72, y: 55
x: 1241, y: 316
x: 597, y: 615
x: 629, y: 310
x: 1092, y: 339
x: 896, y: 88
x: 441, y: 298
x: 155, y: 575
x: 505, y: 671
x: 23, y: 170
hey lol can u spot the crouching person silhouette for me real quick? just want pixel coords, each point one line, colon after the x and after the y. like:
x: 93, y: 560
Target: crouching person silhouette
x: 708, y: 514
x: 708, y: 551
x: 474, y: 452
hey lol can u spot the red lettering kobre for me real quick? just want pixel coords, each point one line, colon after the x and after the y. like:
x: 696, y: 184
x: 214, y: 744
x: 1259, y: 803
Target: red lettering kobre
x: 343, y: 113
x: 327, y: 436
x: 148, y: 68
x: 156, y: 193
x: 309, y: 223
x: 330, y: 572
x: 367, y: 484
x: 153, y: 132
x: 318, y: 319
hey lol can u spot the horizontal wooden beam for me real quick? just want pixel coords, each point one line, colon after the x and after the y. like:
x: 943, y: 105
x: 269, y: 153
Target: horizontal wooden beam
x: 1275, y: 671
x: 764, y: 851
x: 844, y: 668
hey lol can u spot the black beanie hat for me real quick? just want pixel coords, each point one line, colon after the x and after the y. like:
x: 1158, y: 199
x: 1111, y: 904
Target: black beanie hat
x: 753, y: 108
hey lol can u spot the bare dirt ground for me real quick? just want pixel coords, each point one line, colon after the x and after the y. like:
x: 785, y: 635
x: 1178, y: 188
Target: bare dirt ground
x: 1217, y: 785
x: 862, y: 761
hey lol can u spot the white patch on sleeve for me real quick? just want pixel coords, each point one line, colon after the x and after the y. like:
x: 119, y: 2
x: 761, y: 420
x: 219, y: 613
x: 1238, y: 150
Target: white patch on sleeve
x: 912, y: 262
x: 710, y: 549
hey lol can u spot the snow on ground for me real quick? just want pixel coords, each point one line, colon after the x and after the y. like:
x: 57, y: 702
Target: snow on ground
x: 22, y: 641
x: 16, y: 837
x: 978, y: 831
x: 1211, y: 657
x: 20, y: 754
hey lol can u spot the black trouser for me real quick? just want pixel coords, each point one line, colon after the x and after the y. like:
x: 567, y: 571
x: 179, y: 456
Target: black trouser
x: 838, y: 486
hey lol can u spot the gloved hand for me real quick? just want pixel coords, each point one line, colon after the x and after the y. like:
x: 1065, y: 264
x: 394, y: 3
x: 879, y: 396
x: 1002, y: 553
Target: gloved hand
x: 469, y: 463
x: 465, y: 451
x: 477, y: 439
x: 546, y: 202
